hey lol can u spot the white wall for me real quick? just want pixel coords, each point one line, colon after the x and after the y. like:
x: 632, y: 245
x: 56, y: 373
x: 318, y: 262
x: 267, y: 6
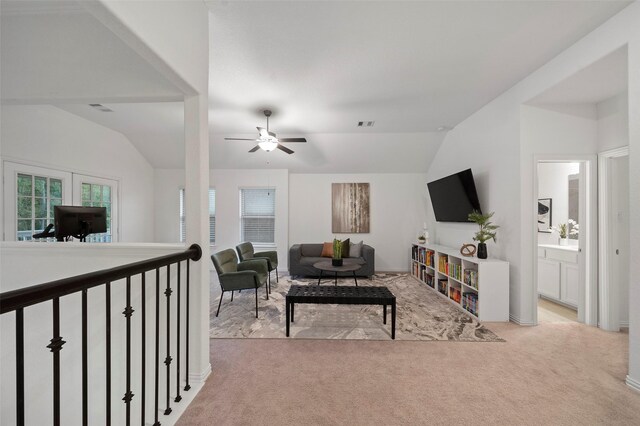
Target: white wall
x: 487, y: 142
x: 553, y: 182
x: 48, y: 136
x: 613, y: 122
x: 303, y: 209
x: 491, y: 141
x: 397, y: 207
x: 227, y: 184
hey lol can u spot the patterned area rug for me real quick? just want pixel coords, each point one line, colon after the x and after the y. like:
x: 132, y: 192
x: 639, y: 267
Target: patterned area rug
x: 421, y: 315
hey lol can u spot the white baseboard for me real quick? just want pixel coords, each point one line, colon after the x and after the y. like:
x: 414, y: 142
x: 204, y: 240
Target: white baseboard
x: 518, y: 321
x: 200, y: 377
x: 633, y: 383
x: 624, y: 324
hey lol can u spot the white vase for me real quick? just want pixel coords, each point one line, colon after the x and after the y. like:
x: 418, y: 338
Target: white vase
x: 563, y: 242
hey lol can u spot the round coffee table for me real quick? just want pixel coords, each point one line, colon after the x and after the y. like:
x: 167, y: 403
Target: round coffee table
x: 327, y: 266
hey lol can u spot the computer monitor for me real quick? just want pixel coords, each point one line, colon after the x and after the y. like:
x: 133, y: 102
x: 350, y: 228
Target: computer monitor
x: 78, y: 222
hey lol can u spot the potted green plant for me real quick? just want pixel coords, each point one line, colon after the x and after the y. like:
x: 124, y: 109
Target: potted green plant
x: 562, y: 230
x: 487, y: 231
x: 337, y: 252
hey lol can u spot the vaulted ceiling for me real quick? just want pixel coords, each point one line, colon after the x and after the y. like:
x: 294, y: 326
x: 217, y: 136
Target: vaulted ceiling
x: 321, y: 66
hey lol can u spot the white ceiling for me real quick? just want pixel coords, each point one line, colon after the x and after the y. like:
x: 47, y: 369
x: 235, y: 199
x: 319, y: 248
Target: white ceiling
x: 410, y: 66
x: 320, y: 66
x: 155, y: 129
x: 601, y: 80
x: 54, y: 51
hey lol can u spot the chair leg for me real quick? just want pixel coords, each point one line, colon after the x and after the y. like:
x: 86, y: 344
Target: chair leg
x: 276, y: 275
x: 257, y: 301
x: 232, y: 295
x: 269, y: 282
x: 266, y: 290
x: 219, y: 303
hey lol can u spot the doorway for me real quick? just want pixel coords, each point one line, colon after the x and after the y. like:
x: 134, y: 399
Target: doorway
x: 564, y: 232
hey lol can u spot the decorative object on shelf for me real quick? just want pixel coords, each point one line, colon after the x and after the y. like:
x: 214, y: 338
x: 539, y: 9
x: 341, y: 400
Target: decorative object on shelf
x: 544, y: 215
x: 350, y: 208
x: 562, y: 230
x: 487, y: 231
x: 337, y: 252
x: 421, y: 239
x: 468, y: 250
x: 425, y: 233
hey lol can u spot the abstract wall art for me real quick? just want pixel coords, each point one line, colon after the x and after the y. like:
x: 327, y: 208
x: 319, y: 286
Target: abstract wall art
x: 350, y: 208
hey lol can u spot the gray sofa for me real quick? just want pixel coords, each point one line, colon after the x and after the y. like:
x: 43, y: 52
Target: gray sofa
x: 303, y: 256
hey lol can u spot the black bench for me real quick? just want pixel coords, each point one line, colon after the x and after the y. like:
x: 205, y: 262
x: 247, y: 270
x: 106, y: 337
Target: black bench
x: 341, y: 295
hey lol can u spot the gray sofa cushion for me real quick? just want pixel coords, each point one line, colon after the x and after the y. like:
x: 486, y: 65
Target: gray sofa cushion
x: 311, y: 250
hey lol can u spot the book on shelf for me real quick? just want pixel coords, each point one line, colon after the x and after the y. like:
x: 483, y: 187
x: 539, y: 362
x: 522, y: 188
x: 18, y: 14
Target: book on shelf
x: 443, y: 264
x: 454, y: 294
x: 471, y: 278
x: 455, y: 271
x: 470, y: 302
x: 429, y: 280
x: 429, y: 257
x: 442, y: 285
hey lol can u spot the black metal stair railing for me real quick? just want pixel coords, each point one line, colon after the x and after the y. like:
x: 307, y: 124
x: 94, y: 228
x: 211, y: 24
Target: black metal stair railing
x: 17, y: 300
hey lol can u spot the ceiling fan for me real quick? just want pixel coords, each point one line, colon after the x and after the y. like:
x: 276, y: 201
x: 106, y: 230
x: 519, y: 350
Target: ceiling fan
x: 267, y: 140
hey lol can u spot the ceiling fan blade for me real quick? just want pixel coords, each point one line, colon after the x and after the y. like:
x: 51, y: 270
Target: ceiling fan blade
x: 292, y: 139
x: 272, y: 134
x: 263, y: 132
x: 285, y: 149
x: 255, y: 148
x: 238, y: 139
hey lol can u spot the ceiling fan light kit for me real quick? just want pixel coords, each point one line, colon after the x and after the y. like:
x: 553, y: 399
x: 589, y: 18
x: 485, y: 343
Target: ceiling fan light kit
x: 267, y: 141
x: 267, y: 145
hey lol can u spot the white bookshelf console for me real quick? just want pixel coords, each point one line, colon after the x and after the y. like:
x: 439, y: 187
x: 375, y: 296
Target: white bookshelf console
x: 479, y: 286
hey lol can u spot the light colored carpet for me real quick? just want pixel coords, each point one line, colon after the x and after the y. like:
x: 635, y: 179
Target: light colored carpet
x: 551, y: 374
x: 421, y: 315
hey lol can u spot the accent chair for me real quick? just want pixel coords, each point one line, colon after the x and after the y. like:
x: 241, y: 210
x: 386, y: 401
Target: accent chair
x: 246, y: 252
x: 244, y: 275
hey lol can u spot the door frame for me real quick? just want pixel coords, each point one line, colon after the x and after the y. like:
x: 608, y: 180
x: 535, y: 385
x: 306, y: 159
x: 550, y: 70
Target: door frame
x: 588, y: 293
x: 609, y: 320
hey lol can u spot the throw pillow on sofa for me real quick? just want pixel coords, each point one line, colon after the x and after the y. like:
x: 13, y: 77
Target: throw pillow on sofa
x: 356, y: 249
x: 345, y: 248
x: 327, y: 250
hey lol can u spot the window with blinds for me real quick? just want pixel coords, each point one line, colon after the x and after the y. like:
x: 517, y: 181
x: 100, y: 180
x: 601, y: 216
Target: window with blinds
x: 212, y: 217
x: 258, y: 215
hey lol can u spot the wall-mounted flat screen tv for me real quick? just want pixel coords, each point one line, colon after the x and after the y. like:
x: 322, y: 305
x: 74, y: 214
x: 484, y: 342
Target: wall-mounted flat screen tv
x: 454, y: 197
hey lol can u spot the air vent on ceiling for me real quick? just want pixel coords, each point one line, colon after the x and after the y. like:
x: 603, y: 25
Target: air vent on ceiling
x: 100, y: 107
x: 366, y: 123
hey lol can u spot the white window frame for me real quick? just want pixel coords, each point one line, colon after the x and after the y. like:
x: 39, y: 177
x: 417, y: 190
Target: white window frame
x: 241, y: 216
x: 11, y: 171
x: 79, y: 179
x: 182, y: 216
